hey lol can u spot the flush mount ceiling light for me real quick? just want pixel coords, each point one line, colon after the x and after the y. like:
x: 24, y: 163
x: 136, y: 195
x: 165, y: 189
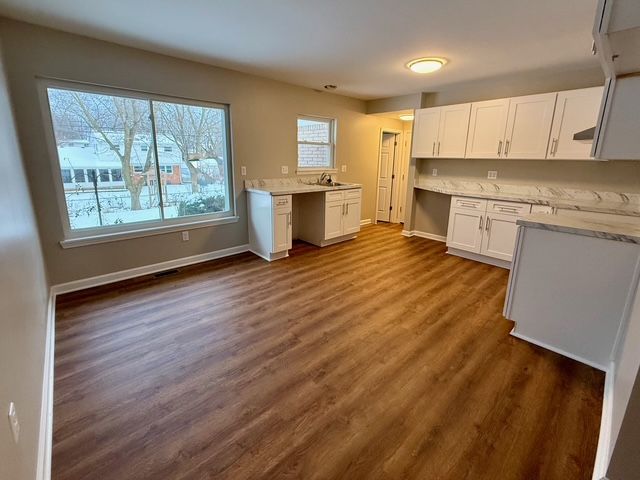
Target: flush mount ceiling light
x: 426, y: 65
x: 406, y: 118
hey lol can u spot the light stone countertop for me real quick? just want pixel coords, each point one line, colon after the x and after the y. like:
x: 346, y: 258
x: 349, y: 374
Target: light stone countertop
x: 560, y: 197
x: 627, y: 230
x: 291, y: 186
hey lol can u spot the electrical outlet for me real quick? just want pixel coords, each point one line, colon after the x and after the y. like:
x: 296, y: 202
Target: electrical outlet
x: 492, y: 174
x: 434, y: 172
x: 185, y: 236
x: 284, y: 169
x: 14, y: 423
x: 343, y: 169
x: 243, y: 170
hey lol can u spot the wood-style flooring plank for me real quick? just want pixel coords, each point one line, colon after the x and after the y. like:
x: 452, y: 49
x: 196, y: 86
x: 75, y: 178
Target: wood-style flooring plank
x: 378, y: 358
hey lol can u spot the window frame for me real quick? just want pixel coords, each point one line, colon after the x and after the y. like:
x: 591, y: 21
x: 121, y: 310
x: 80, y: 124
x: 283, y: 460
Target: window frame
x: 95, y: 235
x: 332, y: 145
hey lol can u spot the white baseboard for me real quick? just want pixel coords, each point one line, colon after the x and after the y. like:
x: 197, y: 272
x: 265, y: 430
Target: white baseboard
x: 366, y: 221
x: 418, y: 233
x: 558, y: 350
x: 603, y: 453
x: 145, y: 270
x: 45, y: 438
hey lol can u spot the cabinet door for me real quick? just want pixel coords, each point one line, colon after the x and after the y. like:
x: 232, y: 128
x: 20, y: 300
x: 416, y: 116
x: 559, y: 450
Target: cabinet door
x: 529, y: 126
x: 352, y: 216
x: 452, y: 133
x: 333, y: 218
x: 487, y: 125
x: 465, y: 230
x: 425, y: 132
x: 499, y: 237
x: 576, y: 110
x: 281, y: 230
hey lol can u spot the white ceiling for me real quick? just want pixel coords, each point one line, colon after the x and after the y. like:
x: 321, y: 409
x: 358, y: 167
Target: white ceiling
x: 359, y: 45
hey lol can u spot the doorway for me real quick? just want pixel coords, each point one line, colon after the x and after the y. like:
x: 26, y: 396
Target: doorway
x: 388, y: 160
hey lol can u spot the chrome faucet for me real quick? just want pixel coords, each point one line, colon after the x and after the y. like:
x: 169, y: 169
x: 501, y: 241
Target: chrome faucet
x: 323, y: 177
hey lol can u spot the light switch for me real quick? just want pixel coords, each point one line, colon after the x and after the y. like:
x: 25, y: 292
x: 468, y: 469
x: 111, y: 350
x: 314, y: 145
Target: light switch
x: 185, y: 236
x: 434, y: 172
x: 243, y: 170
x: 284, y: 169
x: 343, y: 169
x: 492, y: 174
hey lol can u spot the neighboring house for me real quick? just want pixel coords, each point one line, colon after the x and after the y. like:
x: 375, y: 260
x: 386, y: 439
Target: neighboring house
x: 80, y: 160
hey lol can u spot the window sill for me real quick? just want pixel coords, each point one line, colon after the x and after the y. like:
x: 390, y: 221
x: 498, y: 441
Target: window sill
x: 315, y: 171
x: 143, y: 232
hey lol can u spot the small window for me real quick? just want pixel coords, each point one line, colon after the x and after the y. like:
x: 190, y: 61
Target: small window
x: 66, y: 175
x: 316, y: 143
x: 144, y: 148
x: 168, y: 149
x: 116, y: 175
x: 138, y: 169
x: 168, y: 169
x: 104, y: 175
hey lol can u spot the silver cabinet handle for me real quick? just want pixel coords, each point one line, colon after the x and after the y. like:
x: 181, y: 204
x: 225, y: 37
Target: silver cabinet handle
x: 438, y: 148
x: 554, y: 146
x: 499, y: 147
x: 506, y: 148
x: 488, y: 224
x: 289, y: 218
x: 433, y: 150
x: 480, y: 226
x: 347, y: 205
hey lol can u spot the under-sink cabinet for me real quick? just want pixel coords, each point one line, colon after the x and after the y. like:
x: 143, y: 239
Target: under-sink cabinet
x: 485, y: 229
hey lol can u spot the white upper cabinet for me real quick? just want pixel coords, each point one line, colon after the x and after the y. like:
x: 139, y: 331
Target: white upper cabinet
x: 486, y: 129
x: 453, y: 129
x: 426, y: 122
x: 576, y: 111
x: 528, y: 126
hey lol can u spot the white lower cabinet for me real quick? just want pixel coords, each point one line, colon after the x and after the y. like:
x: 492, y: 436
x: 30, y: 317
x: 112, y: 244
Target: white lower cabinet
x: 486, y: 228
x: 270, y: 226
x: 342, y: 213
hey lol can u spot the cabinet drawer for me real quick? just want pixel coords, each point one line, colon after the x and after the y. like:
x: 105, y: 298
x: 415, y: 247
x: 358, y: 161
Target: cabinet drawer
x: 333, y: 196
x: 355, y: 193
x: 508, y: 208
x: 541, y: 209
x: 281, y: 201
x: 469, y: 203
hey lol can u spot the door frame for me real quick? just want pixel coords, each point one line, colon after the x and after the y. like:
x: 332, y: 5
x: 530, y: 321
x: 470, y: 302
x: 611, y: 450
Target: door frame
x: 395, y: 155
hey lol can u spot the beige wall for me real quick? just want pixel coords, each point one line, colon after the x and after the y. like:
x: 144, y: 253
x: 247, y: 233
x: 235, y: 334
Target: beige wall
x: 263, y: 122
x: 23, y: 303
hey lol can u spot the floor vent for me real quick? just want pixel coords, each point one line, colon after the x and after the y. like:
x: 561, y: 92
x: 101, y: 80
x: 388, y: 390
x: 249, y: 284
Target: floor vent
x: 166, y: 273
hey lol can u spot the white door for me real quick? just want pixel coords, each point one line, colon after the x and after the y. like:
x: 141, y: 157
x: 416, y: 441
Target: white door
x: 404, y: 173
x: 453, y: 129
x: 281, y: 230
x: 529, y: 126
x: 576, y: 110
x: 333, y: 218
x: 499, y: 237
x: 465, y: 230
x: 426, y: 122
x: 351, y: 221
x: 487, y: 125
x: 385, y: 180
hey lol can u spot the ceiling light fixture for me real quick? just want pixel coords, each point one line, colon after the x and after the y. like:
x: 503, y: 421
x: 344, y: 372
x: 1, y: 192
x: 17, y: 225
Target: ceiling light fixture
x: 426, y: 65
x: 406, y: 118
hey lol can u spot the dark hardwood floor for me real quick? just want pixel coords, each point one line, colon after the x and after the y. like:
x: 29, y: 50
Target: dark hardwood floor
x: 380, y: 358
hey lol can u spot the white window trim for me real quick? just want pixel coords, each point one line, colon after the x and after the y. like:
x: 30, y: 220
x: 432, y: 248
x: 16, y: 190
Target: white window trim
x: 332, y: 143
x: 91, y: 236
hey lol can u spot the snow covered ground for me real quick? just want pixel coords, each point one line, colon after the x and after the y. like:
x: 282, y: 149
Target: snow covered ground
x: 115, y: 205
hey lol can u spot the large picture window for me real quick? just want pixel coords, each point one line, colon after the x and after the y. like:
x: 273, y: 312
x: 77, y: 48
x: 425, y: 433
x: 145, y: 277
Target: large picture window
x: 129, y: 161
